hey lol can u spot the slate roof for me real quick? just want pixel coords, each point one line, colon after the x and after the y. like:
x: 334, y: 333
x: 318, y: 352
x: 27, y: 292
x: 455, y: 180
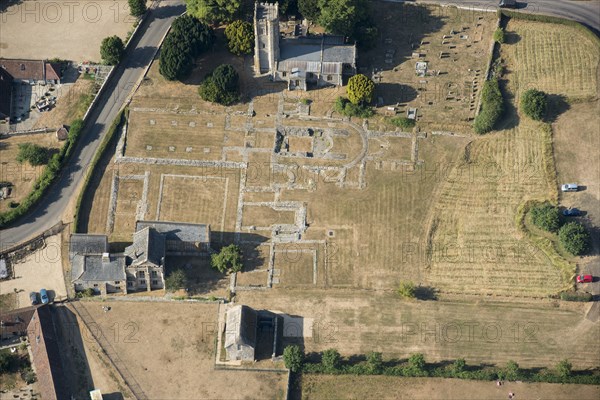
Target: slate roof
x: 83, y: 243
x: 95, y: 268
x: 241, y: 326
x: 24, y: 69
x: 5, y: 92
x: 323, y: 55
x: 148, y: 246
x: 178, y: 231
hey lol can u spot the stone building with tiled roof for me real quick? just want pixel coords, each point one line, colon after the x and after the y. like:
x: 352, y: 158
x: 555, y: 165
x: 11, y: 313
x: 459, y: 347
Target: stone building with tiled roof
x: 299, y: 61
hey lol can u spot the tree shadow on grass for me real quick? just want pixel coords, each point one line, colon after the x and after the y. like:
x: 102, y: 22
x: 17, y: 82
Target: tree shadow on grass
x: 557, y: 105
x: 426, y: 293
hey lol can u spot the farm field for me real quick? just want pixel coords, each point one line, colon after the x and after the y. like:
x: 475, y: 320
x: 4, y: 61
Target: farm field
x: 387, y: 387
x: 358, y: 322
x: 168, y: 360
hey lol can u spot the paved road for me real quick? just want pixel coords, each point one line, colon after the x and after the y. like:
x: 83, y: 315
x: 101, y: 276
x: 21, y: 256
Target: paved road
x: 584, y: 11
x: 139, y: 56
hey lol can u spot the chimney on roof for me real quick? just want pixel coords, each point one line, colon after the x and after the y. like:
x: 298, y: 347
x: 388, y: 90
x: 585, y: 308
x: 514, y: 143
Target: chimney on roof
x: 105, y: 257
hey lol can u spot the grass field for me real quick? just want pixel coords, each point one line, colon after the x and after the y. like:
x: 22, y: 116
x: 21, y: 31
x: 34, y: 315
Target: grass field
x: 387, y: 387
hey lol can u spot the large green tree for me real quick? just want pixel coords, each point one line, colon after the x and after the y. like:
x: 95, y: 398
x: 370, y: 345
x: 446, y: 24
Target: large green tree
x: 33, y: 154
x: 574, y: 238
x: 293, y: 358
x: 213, y: 11
x: 187, y: 39
x: 360, y: 89
x: 534, y: 103
x: 229, y: 259
x: 176, y: 280
x: 137, y: 7
x: 331, y: 360
x: 221, y: 86
x: 240, y: 37
x: 546, y: 216
x: 309, y: 9
x: 111, y: 50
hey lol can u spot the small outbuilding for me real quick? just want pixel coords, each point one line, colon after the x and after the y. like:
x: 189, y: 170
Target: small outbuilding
x: 240, y: 333
x: 62, y: 133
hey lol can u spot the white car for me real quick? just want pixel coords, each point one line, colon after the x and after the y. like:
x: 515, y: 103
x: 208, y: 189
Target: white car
x: 569, y: 187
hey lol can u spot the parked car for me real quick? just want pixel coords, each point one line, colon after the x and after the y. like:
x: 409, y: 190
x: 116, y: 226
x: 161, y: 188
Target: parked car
x: 584, y: 278
x: 507, y: 4
x: 33, y: 297
x: 569, y: 187
x: 44, y: 296
x: 571, y: 212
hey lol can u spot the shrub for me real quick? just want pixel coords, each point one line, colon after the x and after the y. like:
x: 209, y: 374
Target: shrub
x: 221, y: 86
x: 574, y: 238
x: 229, y: 259
x: 240, y: 37
x: 374, y: 363
x: 403, y: 122
x: 345, y: 107
x: 406, y: 290
x: 176, y: 280
x: 576, y: 296
x: 360, y: 89
x: 492, y: 107
x: 512, y: 371
x: 330, y: 359
x: 111, y: 50
x: 546, y: 216
x: 213, y: 11
x: 293, y: 358
x: 187, y: 39
x: 459, y: 365
x: 33, y: 154
x: 6, y: 361
x: 87, y: 292
x: 499, y: 35
x: 417, y: 362
x: 28, y: 375
x: 137, y: 7
x: 564, y: 369
x: 534, y: 104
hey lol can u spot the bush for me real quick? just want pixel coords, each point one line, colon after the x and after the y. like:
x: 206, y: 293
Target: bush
x: 546, y: 217
x: 330, y: 359
x: 492, y: 107
x: 512, y: 372
x: 28, y: 375
x: 534, y: 104
x: 187, y: 39
x: 229, y: 259
x: 576, y: 296
x: 293, y: 358
x: 137, y: 7
x: 360, y: 89
x: 564, y: 369
x: 176, y: 280
x: 87, y: 292
x: 499, y: 35
x: 574, y: 238
x: 221, y: 86
x: 345, y: 107
x: 6, y: 361
x: 33, y: 154
x: 374, y: 363
x: 459, y: 365
x: 403, y: 122
x: 111, y: 50
x: 213, y: 11
x: 417, y: 362
x: 406, y: 290
x: 240, y: 37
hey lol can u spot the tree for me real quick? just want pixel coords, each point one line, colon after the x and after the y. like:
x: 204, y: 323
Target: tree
x: 512, y: 370
x: 546, y: 216
x: 240, y: 37
x: 221, y: 86
x: 574, y: 238
x: 32, y: 153
x: 374, y: 362
x: 459, y: 365
x: 111, y: 50
x: 176, y: 280
x: 331, y: 360
x: 499, y: 35
x: 293, y: 358
x: 492, y: 107
x: 309, y: 9
x: 406, y: 290
x: 137, y: 7
x: 534, y: 104
x: 187, y: 39
x: 360, y: 89
x: 213, y: 11
x: 229, y: 259
x: 339, y: 16
x: 6, y: 360
x: 417, y: 362
x: 564, y: 369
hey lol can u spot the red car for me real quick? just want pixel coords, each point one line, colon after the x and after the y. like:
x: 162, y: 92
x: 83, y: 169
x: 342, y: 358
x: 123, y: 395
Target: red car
x: 584, y: 278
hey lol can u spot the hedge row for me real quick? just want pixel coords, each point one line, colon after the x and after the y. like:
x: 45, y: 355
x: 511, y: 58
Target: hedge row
x: 457, y: 369
x: 120, y: 118
x: 553, y: 20
x: 576, y: 296
x: 49, y: 174
x: 492, y: 107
